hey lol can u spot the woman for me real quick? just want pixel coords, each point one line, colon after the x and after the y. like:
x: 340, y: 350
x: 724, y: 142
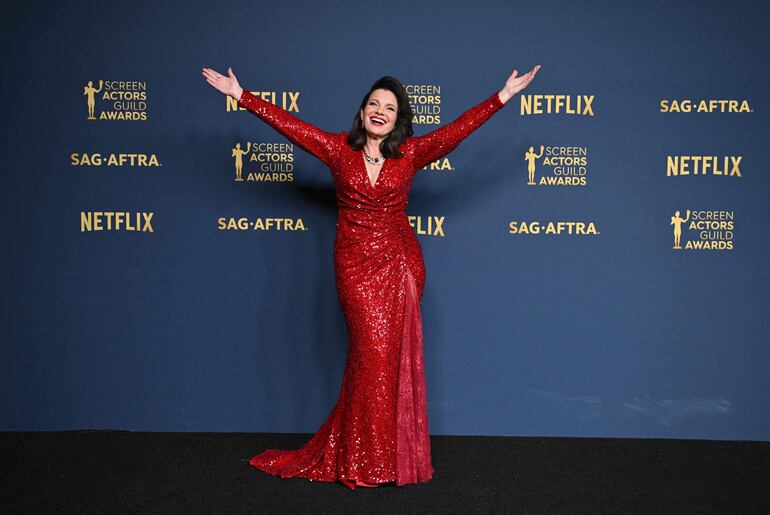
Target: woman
x: 378, y: 430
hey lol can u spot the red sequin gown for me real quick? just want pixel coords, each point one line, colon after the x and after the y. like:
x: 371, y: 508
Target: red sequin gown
x: 377, y: 431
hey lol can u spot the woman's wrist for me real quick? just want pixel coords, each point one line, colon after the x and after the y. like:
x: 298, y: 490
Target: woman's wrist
x: 504, y: 96
x: 238, y: 93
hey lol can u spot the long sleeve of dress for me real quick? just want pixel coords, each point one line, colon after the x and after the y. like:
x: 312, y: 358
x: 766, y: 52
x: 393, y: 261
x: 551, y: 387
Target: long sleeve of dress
x: 443, y: 140
x: 322, y: 144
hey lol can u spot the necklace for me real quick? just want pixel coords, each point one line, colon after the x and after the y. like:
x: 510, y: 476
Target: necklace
x: 374, y: 160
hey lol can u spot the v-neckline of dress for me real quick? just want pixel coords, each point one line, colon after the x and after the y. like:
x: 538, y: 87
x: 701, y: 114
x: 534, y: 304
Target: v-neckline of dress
x: 366, y: 171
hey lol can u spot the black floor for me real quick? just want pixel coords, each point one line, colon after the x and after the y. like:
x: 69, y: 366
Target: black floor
x: 123, y: 471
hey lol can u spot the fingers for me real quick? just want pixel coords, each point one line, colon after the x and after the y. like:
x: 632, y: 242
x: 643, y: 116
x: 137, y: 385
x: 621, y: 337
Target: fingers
x: 516, y: 84
x: 534, y: 72
x: 527, y: 76
x: 524, y: 79
x: 530, y: 75
x: 216, y: 85
x: 211, y: 74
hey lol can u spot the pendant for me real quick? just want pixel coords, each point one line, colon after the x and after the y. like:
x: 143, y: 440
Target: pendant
x: 374, y: 160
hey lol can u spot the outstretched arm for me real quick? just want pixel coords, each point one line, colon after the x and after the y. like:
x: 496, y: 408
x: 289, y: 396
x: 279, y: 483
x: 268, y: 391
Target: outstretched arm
x: 443, y: 140
x: 320, y: 143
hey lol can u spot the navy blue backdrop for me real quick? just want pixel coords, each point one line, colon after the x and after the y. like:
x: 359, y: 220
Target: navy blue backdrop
x: 532, y: 326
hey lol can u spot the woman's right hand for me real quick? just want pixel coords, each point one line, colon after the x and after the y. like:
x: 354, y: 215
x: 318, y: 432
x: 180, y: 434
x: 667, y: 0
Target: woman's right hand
x: 227, y: 85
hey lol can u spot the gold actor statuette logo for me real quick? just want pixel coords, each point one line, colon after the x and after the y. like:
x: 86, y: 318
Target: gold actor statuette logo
x: 677, y: 222
x: 89, y: 91
x: 238, y: 154
x: 530, y: 158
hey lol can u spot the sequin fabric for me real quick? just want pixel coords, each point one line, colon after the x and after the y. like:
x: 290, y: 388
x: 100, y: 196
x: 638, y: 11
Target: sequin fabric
x: 378, y: 430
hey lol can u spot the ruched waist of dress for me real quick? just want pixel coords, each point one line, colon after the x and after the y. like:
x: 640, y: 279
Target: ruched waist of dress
x: 388, y: 210
x: 371, y: 228
x: 368, y: 216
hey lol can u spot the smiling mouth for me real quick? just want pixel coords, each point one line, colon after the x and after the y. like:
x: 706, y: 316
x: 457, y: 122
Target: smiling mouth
x: 377, y: 121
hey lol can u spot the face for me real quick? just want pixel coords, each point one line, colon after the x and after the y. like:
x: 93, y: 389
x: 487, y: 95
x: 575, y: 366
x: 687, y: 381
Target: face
x: 380, y: 112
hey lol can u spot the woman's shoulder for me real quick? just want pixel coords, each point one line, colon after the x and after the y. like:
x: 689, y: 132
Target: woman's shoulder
x: 407, y: 145
x: 342, y: 139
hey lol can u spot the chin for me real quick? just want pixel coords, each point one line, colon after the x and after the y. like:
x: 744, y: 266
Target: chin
x: 379, y: 133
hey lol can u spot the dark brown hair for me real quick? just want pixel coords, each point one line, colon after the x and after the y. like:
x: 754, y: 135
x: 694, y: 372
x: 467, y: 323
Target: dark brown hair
x: 402, y: 128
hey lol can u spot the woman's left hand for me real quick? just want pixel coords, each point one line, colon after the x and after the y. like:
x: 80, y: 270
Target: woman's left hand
x: 515, y: 83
